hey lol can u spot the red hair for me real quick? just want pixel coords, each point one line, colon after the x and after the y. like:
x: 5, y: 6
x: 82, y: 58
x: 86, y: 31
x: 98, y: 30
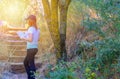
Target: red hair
x: 32, y: 21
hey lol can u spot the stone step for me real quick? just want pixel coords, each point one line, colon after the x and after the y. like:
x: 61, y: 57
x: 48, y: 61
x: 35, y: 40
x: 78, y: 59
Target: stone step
x: 10, y: 36
x: 17, y: 59
x: 17, y: 29
x: 15, y: 42
x: 16, y: 46
x: 17, y: 56
x: 17, y: 49
x: 19, y: 67
x: 12, y: 32
x: 22, y: 54
x: 8, y: 40
x: 3, y: 58
x: 18, y: 53
x: 37, y: 56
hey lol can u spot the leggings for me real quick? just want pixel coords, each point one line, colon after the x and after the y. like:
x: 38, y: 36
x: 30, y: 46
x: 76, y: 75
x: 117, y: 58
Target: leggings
x: 29, y: 62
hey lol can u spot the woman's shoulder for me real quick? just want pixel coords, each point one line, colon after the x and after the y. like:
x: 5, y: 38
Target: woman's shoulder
x: 31, y: 28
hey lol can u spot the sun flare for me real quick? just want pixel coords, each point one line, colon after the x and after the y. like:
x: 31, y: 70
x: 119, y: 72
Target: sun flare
x: 12, y: 11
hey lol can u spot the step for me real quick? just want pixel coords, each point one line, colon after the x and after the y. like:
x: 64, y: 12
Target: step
x: 19, y: 67
x: 17, y: 59
x: 10, y: 36
x: 14, y: 41
x: 19, y: 42
x: 20, y: 63
x: 17, y: 49
x: 16, y: 46
x: 22, y: 54
x: 19, y: 53
x: 17, y: 28
x: 12, y: 32
x: 5, y: 35
x: 22, y: 50
x: 36, y: 56
x: 17, y: 56
x: 3, y: 58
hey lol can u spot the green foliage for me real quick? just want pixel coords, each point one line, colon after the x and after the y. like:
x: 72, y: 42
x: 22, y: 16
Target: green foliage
x: 107, y: 49
x: 64, y: 71
x: 107, y: 10
x: 83, y: 48
x: 106, y: 59
x: 107, y: 54
x: 94, y: 25
x: 89, y: 74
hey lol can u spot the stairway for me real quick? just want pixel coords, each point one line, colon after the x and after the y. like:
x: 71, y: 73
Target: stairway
x: 16, y: 50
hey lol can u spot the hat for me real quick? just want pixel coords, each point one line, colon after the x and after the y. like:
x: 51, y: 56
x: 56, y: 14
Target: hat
x: 32, y: 17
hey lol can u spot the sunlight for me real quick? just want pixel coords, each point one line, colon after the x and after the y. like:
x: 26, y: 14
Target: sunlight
x: 12, y: 11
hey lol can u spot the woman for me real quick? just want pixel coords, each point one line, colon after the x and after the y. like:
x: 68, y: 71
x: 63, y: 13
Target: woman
x: 32, y: 46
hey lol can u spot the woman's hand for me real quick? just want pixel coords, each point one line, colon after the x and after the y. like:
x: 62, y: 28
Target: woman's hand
x: 29, y: 37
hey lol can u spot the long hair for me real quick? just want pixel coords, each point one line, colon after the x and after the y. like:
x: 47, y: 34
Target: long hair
x: 32, y: 21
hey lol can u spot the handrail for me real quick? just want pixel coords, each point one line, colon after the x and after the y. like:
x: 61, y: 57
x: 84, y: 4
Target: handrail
x: 15, y: 41
x: 17, y: 28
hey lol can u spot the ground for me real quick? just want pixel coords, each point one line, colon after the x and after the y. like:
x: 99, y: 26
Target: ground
x: 8, y: 75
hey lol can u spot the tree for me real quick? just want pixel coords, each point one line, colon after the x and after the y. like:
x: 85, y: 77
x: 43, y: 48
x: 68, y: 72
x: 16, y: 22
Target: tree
x: 63, y: 6
x: 58, y: 33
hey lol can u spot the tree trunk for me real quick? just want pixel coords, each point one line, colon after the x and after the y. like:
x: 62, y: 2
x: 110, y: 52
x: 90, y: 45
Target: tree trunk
x: 63, y: 6
x: 55, y: 27
x: 51, y: 16
x: 47, y: 12
x: 58, y: 34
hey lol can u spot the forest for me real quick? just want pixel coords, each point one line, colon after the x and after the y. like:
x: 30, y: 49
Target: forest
x: 80, y: 39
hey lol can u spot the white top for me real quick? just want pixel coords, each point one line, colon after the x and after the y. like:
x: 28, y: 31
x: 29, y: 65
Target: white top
x: 36, y: 35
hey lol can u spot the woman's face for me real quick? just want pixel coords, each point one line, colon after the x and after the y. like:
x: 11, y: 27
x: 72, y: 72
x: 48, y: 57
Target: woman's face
x: 30, y: 22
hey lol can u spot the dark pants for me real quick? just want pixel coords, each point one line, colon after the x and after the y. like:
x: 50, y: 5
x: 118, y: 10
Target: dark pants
x: 29, y: 62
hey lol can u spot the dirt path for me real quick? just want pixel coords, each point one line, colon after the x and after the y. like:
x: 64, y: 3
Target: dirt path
x: 9, y: 75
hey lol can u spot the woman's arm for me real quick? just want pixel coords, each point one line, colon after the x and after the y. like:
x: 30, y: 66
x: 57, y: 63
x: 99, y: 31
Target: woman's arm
x: 29, y: 38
